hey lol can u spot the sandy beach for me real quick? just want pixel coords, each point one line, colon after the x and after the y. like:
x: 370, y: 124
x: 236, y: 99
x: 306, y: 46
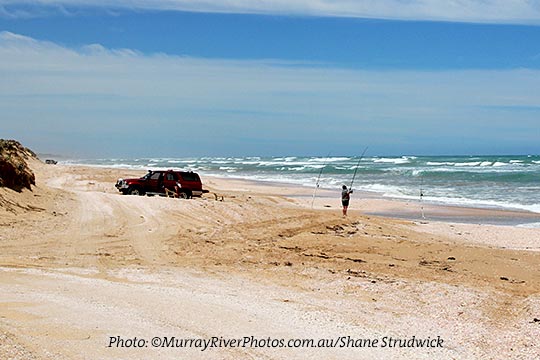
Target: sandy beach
x: 81, y: 264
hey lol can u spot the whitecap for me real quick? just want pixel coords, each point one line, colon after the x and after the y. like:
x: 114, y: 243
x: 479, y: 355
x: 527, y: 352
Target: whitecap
x: 385, y: 190
x: 329, y: 159
x: 530, y: 225
x: 471, y: 163
x: 392, y: 160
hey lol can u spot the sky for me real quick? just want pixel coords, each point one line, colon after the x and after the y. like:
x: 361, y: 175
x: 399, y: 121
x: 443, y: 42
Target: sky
x: 182, y: 78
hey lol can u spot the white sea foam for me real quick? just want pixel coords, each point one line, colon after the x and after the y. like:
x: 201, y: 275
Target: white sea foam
x: 530, y: 225
x: 403, y: 193
x: 220, y: 161
x: 277, y: 163
x: 385, y: 190
x: 289, y: 158
x: 445, y: 169
x: 470, y: 163
x: 315, y: 166
x: 487, y: 203
x: 329, y: 159
x: 392, y: 160
x: 114, y: 166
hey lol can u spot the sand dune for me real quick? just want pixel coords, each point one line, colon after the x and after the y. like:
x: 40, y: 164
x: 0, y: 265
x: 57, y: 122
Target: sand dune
x: 81, y: 263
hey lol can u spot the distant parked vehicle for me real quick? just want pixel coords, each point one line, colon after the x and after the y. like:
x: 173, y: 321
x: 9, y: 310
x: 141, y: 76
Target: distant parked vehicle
x: 182, y: 184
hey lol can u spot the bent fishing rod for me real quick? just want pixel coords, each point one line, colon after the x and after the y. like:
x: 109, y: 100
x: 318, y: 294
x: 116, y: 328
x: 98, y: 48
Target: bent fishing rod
x: 356, y: 169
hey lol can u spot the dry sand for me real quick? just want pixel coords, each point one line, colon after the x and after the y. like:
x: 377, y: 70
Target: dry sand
x: 80, y: 263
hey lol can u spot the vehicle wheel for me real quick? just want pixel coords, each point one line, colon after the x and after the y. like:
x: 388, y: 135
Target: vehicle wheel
x: 124, y: 192
x: 183, y: 195
x: 134, y: 191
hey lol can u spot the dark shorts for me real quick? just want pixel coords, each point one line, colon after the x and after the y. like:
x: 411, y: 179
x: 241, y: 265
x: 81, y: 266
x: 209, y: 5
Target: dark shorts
x: 345, y: 202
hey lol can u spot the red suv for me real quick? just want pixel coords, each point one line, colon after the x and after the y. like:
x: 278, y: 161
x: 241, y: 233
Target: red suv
x: 183, y: 184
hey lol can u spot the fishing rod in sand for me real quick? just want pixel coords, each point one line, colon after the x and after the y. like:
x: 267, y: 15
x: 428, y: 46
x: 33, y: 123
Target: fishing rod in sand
x: 318, y: 179
x: 422, y: 195
x: 356, y: 169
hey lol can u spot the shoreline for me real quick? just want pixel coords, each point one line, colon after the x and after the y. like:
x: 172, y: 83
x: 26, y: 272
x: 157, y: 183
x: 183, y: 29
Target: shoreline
x: 377, y: 204
x: 494, y: 183
x: 372, y: 203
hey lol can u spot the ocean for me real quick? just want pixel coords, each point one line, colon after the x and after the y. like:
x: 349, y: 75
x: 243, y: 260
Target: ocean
x: 509, y: 182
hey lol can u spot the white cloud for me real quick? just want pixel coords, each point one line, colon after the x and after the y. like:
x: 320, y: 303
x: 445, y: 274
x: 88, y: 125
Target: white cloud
x: 94, y: 91
x: 481, y: 11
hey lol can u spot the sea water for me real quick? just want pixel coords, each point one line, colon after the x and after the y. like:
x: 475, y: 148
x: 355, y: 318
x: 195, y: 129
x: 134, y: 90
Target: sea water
x: 511, y: 182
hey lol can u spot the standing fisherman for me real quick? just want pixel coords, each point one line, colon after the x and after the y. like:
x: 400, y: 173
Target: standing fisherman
x: 345, y: 197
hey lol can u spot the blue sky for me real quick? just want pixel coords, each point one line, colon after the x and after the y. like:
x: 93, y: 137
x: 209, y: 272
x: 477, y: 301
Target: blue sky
x: 239, y: 77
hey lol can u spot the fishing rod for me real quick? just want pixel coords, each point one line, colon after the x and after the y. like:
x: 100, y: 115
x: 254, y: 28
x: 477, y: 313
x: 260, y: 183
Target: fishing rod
x: 319, y: 178
x: 422, y: 195
x: 356, y: 169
